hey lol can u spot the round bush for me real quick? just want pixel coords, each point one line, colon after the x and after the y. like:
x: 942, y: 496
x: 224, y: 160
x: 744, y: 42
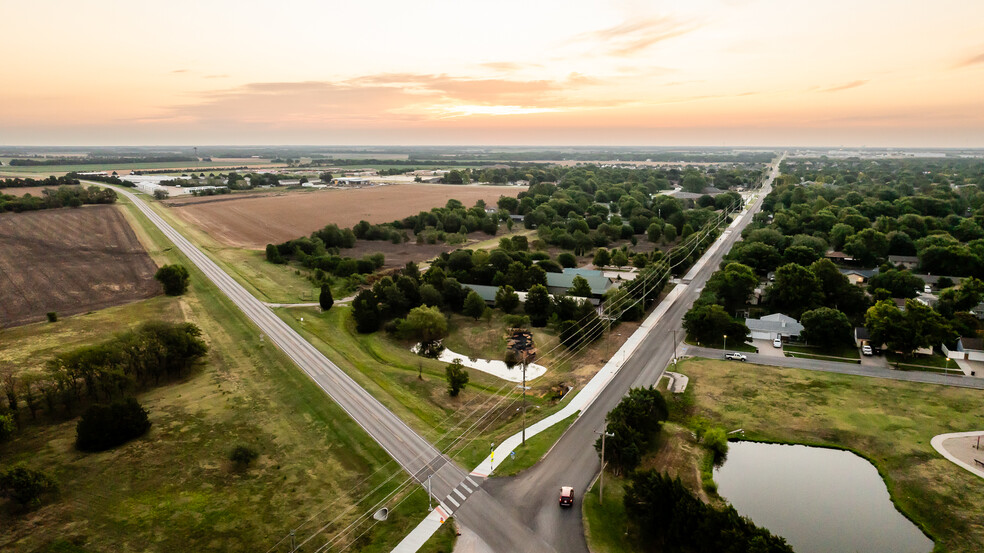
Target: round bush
x: 103, y: 427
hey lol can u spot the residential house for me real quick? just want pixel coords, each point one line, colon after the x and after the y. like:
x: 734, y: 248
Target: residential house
x: 906, y: 261
x: 772, y: 326
x: 859, y: 276
x: 560, y: 283
x: 861, y: 336
x: 968, y: 349
x: 838, y: 257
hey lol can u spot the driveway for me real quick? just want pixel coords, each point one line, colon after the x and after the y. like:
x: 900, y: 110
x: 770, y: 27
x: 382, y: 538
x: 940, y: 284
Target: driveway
x: 877, y: 361
x: 766, y: 348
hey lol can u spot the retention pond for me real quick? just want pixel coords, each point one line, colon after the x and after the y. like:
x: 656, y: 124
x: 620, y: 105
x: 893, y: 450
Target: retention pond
x: 821, y: 500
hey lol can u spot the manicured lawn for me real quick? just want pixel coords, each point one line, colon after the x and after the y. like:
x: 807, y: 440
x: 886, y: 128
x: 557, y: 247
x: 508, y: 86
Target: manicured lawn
x: 844, y: 352
x: 732, y: 346
x: 890, y: 423
x: 174, y: 489
x: 822, y: 357
x: 917, y: 361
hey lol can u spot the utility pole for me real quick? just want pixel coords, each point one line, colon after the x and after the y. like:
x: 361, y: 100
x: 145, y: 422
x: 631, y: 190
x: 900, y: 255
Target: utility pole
x: 601, y: 482
x: 524, y: 399
x: 674, y: 348
x: 429, y: 493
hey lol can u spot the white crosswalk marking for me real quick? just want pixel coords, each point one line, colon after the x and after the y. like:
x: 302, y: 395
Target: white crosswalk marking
x: 465, y: 486
x: 461, y: 495
x: 451, y: 499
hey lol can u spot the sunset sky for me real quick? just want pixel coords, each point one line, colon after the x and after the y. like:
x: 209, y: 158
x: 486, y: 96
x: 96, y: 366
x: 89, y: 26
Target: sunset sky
x: 696, y: 72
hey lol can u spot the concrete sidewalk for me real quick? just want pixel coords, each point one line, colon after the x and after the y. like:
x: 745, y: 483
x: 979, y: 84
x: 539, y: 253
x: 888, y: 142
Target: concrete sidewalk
x: 960, y: 448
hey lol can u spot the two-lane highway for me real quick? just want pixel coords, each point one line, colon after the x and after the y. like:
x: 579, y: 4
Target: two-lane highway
x: 573, y: 460
x: 417, y: 457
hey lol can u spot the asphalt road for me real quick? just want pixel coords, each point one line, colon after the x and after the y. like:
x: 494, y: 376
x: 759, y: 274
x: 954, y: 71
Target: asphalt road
x: 847, y: 368
x: 573, y: 460
x: 485, y: 515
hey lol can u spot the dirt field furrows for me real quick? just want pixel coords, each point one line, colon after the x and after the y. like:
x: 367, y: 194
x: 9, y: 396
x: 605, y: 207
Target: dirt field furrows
x: 69, y: 261
x: 253, y: 221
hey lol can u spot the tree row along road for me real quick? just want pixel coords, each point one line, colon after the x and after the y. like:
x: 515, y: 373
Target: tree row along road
x: 573, y: 460
x: 415, y: 455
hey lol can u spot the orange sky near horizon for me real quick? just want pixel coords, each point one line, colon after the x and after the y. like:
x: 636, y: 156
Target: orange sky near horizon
x: 699, y: 72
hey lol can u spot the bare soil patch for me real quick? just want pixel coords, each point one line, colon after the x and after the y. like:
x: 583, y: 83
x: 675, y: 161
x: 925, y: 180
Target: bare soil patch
x: 25, y: 190
x: 69, y: 261
x: 261, y: 219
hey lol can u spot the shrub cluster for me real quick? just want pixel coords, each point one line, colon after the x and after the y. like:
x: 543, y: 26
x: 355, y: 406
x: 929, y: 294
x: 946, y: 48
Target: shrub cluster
x: 63, y: 196
x: 665, y: 516
x: 102, y: 372
x: 103, y: 427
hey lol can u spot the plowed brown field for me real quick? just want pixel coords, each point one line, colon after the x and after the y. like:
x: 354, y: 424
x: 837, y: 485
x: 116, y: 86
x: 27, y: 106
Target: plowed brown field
x: 69, y: 261
x: 253, y: 221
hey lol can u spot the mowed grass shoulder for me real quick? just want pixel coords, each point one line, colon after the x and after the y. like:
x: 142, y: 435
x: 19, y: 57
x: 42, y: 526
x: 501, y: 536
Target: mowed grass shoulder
x: 890, y: 423
x: 174, y: 489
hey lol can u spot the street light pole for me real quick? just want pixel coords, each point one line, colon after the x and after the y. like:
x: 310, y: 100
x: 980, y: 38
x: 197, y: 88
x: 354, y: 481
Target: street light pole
x: 601, y: 483
x: 726, y: 342
x: 946, y: 370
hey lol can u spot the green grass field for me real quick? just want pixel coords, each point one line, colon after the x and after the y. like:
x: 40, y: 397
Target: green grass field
x: 174, y: 488
x: 415, y: 388
x: 888, y: 422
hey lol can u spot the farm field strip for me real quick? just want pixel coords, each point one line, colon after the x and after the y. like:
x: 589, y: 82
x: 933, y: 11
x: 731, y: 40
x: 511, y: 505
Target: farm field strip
x: 255, y: 221
x: 69, y: 261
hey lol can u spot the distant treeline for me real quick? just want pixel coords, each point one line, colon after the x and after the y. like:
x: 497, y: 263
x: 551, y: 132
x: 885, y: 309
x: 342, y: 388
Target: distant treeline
x: 63, y: 196
x: 612, y: 156
x: 108, y: 179
x: 96, y: 160
x: 132, y: 361
x: 52, y: 181
x: 165, y: 171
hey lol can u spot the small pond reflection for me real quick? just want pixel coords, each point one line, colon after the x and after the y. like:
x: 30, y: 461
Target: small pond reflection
x: 820, y: 500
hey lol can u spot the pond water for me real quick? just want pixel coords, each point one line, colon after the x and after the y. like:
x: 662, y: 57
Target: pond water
x: 821, y: 500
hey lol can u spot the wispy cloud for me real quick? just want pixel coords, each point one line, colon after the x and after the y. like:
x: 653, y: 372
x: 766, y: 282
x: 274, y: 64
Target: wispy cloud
x: 382, y: 99
x: 223, y: 76
x: 634, y: 36
x: 973, y: 60
x: 509, y: 66
x: 847, y: 86
x: 180, y: 71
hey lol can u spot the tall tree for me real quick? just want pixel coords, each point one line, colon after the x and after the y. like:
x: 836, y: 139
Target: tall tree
x: 580, y: 287
x: 795, y: 290
x: 825, y: 326
x: 174, y: 279
x: 474, y: 305
x: 506, y: 299
x: 456, y: 376
x: 537, y: 305
x: 325, y: 300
